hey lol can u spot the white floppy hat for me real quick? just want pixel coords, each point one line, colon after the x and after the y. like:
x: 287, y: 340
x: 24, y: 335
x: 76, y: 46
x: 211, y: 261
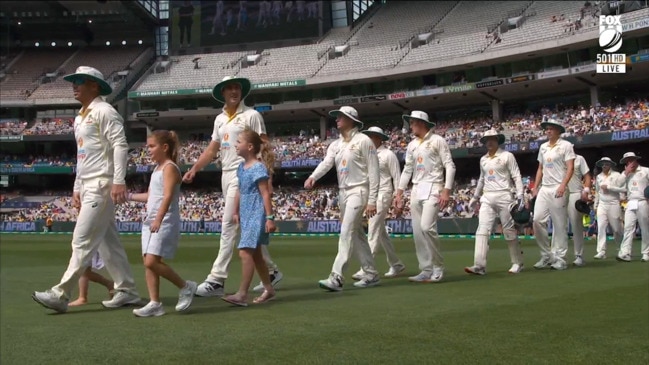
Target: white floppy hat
x: 90, y: 73
x: 627, y: 156
x: 553, y: 122
x: 376, y: 131
x: 349, y: 112
x: 605, y: 160
x: 419, y: 115
x: 492, y: 133
x: 218, y: 89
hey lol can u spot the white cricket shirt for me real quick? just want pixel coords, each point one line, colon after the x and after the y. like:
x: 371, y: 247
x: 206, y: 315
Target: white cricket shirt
x: 554, y: 160
x: 497, y: 173
x: 227, y: 129
x: 427, y: 160
x: 102, y: 150
x: 636, y: 183
x: 575, y: 184
x: 389, y: 170
x: 356, y: 163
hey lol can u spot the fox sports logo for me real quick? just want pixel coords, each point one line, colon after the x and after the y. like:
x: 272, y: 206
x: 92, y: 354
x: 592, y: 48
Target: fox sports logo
x: 610, y: 33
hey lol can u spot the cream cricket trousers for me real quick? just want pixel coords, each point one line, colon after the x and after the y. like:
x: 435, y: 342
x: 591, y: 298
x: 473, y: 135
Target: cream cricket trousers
x: 547, y: 206
x: 492, y: 205
x: 424, y: 214
x: 94, y: 231
x: 377, y: 234
x: 631, y: 217
x: 576, y: 224
x: 352, y: 203
x: 608, y: 214
x: 229, y: 231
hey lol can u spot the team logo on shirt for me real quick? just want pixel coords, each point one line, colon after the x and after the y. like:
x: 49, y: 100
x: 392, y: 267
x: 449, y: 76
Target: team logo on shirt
x: 344, y: 170
x: 420, y: 164
x: 491, y: 176
x: 225, y: 144
x: 80, y: 142
x: 548, y: 163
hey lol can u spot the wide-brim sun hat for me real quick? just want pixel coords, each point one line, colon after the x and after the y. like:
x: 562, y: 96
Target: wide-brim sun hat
x: 492, y: 133
x: 90, y: 73
x: 419, y: 115
x: 553, y: 122
x: 605, y: 160
x: 627, y: 156
x: 217, y: 92
x: 349, y: 112
x: 377, y: 131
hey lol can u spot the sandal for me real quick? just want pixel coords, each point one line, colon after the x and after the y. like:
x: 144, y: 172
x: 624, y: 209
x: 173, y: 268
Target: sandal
x: 235, y: 300
x: 264, y: 297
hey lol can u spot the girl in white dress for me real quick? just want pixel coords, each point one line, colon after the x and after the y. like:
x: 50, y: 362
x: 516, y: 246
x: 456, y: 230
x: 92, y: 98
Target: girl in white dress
x: 91, y: 275
x: 161, y: 226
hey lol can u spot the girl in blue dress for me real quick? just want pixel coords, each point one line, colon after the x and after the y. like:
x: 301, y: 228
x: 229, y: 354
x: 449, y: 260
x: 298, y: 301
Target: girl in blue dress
x: 161, y: 227
x: 255, y: 215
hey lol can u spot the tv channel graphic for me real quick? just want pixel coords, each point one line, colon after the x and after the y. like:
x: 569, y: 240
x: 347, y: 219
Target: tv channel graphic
x: 610, y: 41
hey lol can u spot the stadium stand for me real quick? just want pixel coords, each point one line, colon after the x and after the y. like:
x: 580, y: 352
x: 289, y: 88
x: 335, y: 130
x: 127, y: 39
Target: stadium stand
x: 286, y: 63
x: 12, y: 127
x: 51, y: 126
x: 23, y: 77
x: 119, y: 60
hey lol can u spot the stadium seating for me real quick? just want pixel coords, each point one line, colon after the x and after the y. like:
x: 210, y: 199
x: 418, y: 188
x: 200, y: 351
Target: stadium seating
x: 118, y: 60
x: 287, y: 63
x: 23, y: 77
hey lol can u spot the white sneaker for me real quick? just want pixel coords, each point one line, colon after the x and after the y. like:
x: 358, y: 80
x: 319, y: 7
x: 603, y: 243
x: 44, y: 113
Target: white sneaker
x: 50, y: 300
x: 645, y: 258
x: 367, y: 282
x: 438, y: 275
x: 359, y: 275
x: 275, y: 278
x: 623, y: 258
x: 120, y: 299
x: 600, y: 256
x: 543, y: 263
x: 422, y: 277
x: 559, y: 264
x: 333, y: 283
x: 475, y: 270
x: 516, y: 268
x: 209, y: 289
x: 150, y: 310
x: 579, y: 261
x: 186, y: 296
x: 394, y: 271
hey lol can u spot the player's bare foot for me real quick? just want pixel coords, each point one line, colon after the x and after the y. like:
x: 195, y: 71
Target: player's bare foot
x: 78, y: 302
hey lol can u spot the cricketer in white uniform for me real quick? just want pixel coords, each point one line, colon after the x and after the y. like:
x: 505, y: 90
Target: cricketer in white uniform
x: 431, y: 169
x: 579, y: 188
x: 608, y: 186
x: 235, y: 118
x: 498, y: 169
x: 389, y: 172
x: 357, y: 165
x: 102, y: 154
x: 637, y: 207
x: 556, y: 165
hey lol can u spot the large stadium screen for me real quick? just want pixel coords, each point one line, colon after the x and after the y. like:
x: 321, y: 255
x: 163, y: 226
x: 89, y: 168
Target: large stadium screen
x: 214, y: 23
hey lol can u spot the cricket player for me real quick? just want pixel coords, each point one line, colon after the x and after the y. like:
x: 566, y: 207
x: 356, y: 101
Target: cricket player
x: 579, y: 189
x: 389, y: 172
x: 357, y: 165
x: 498, y: 168
x: 235, y: 118
x: 556, y: 165
x: 637, y: 208
x: 102, y: 154
x: 608, y: 186
x: 431, y: 169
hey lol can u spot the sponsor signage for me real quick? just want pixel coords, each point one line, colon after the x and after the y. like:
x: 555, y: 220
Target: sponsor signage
x: 459, y: 88
x: 521, y: 78
x: 401, y: 95
x: 490, y: 83
x: 366, y: 99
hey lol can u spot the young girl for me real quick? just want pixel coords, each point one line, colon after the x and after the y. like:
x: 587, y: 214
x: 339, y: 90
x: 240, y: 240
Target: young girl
x: 161, y: 227
x: 90, y: 275
x: 257, y: 222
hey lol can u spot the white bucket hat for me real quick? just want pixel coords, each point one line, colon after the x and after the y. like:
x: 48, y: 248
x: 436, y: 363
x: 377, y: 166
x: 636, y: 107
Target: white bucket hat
x: 492, y: 133
x: 217, y: 92
x: 376, y: 131
x: 605, y: 160
x: 90, y: 73
x: 553, y: 122
x: 627, y: 156
x: 419, y: 115
x: 349, y: 112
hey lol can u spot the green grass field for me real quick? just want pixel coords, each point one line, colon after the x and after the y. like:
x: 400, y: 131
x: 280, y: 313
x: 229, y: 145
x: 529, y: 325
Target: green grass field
x: 598, y: 314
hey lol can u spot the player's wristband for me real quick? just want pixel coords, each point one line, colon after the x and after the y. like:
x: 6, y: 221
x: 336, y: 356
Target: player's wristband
x: 130, y: 196
x: 270, y: 217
